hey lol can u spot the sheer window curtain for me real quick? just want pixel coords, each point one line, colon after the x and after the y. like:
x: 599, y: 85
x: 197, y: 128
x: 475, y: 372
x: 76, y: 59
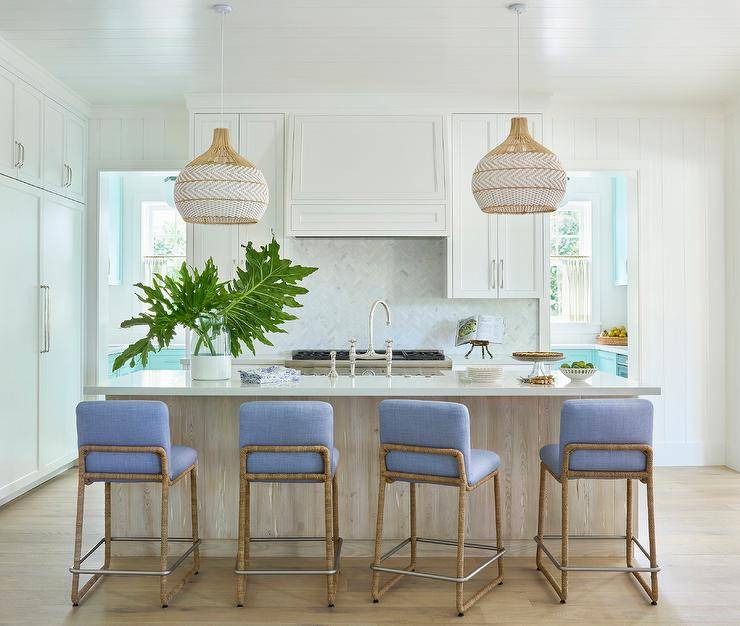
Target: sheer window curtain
x: 576, y: 282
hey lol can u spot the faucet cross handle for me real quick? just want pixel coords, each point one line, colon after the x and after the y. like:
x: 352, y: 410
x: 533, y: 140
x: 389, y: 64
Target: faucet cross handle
x: 352, y: 357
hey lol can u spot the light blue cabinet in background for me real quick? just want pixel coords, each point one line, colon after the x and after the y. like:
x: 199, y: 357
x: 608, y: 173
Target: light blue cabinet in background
x: 603, y: 361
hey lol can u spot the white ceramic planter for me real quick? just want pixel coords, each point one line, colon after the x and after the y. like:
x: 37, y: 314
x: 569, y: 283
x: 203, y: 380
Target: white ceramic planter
x: 209, y: 367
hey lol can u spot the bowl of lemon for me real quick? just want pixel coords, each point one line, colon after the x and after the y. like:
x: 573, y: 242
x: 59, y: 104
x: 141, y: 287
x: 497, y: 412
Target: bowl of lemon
x: 578, y: 371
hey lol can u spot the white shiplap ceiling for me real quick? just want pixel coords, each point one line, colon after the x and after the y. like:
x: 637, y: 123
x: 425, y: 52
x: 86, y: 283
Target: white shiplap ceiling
x: 125, y: 51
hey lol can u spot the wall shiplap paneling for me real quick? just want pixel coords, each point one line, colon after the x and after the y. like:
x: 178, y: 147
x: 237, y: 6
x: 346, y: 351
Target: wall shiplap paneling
x: 682, y: 324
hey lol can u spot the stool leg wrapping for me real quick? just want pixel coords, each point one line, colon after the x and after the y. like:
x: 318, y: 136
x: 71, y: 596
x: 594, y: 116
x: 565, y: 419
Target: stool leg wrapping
x: 194, y: 517
x: 460, y: 550
x: 541, y: 514
x: 243, y: 539
x: 163, y: 547
x: 329, y: 542
x: 375, y: 588
x: 564, y: 546
x: 412, y: 524
x: 499, y: 535
x: 78, y: 539
x: 107, y: 513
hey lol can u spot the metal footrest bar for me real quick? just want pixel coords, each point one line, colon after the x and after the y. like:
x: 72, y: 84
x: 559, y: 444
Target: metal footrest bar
x: 572, y: 568
x: 274, y: 572
x: 126, y: 572
x: 445, y: 542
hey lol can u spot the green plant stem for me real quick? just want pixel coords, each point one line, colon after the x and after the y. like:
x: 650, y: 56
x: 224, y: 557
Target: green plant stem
x: 203, y: 338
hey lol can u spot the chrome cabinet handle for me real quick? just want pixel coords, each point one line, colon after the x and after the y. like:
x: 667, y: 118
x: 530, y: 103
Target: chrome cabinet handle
x: 17, y: 154
x: 501, y: 275
x: 69, y: 183
x: 45, y: 320
x: 494, y: 276
x: 23, y: 154
x: 66, y: 175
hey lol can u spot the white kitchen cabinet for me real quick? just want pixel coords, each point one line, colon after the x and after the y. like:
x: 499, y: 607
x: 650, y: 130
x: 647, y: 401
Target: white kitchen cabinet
x: 40, y: 376
x: 75, y: 156
x: 29, y: 123
x: 260, y: 138
x: 493, y: 256
x: 367, y: 175
x: 65, y: 138
x: 20, y: 216
x: 61, y: 337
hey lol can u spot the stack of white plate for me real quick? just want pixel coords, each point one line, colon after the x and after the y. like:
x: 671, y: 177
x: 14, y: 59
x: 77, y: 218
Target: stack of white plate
x: 484, y: 374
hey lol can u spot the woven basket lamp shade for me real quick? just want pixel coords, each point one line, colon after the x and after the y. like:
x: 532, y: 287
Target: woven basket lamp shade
x: 221, y: 186
x: 519, y: 176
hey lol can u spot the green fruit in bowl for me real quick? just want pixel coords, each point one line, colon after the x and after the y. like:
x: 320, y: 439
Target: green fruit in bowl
x: 590, y: 366
x: 564, y: 366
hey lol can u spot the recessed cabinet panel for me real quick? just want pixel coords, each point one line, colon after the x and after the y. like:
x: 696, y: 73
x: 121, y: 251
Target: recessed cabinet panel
x: 369, y: 219
x: 55, y: 174
x: 29, y: 116
x: 8, y: 150
x: 75, y: 135
x: 20, y: 207
x: 367, y: 158
x: 61, y: 272
x: 520, y: 256
x: 261, y: 140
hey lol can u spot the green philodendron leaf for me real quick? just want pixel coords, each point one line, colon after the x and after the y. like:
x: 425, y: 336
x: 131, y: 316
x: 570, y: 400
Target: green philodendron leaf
x: 252, y: 304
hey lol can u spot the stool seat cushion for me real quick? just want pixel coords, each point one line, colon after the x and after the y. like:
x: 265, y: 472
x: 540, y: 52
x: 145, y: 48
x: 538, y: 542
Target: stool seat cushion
x: 594, y: 460
x: 289, y: 462
x: 481, y: 464
x: 179, y: 460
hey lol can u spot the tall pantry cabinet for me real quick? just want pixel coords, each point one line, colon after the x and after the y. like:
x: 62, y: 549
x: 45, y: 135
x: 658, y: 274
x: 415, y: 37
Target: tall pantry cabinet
x: 42, y: 173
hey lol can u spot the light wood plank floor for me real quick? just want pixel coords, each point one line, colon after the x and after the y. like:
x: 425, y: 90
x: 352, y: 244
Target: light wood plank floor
x: 698, y: 523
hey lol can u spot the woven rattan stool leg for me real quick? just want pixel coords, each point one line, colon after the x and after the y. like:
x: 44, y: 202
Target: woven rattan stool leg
x: 412, y: 524
x: 651, y: 535
x: 375, y: 587
x: 194, y: 516
x: 499, y: 538
x: 329, y: 532
x: 163, y: 547
x: 460, y: 550
x: 564, y: 544
x: 630, y: 546
x: 541, y: 513
x: 78, y: 539
x: 242, y: 558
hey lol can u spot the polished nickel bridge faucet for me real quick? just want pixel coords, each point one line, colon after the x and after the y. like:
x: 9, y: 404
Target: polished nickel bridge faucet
x: 371, y: 354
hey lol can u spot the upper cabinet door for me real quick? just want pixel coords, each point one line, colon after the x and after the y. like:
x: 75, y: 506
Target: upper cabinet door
x: 55, y: 172
x: 520, y: 252
x: 75, y: 141
x: 8, y: 147
x: 367, y: 175
x: 217, y: 241
x: 29, y: 123
x: 474, y: 233
x: 262, y: 141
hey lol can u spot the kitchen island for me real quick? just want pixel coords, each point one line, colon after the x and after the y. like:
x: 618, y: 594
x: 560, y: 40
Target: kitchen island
x: 509, y: 417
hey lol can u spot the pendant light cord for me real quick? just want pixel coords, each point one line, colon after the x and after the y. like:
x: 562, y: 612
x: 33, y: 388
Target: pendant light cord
x: 222, y: 69
x: 518, y: 56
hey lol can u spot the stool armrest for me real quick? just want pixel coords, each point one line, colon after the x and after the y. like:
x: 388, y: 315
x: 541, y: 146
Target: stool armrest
x: 158, y: 450
x: 607, y: 447
x: 385, y: 448
x: 322, y: 450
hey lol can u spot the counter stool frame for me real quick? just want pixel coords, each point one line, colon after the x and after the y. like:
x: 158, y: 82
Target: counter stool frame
x: 332, y: 540
x: 387, y: 477
x: 86, y: 478
x: 645, y: 477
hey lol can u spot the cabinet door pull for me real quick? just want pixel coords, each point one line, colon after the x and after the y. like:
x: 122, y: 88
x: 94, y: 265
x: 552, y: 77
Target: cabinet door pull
x: 23, y: 154
x: 494, y: 276
x: 501, y: 274
x: 17, y: 154
x: 66, y: 175
x: 69, y: 183
x: 45, y: 347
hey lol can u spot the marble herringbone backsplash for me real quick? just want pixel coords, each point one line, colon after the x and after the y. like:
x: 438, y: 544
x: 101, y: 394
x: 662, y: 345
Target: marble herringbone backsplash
x: 410, y: 274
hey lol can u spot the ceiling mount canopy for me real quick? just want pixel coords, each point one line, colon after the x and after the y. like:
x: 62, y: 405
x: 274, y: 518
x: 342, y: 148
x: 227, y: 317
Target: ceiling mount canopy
x: 520, y: 175
x: 221, y: 186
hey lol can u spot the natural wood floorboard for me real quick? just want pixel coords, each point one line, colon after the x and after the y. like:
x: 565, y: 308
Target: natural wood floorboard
x: 698, y: 526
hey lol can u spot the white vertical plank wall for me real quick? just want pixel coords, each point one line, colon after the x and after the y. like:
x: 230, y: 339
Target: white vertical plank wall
x: 127, y: 138
x: 682, y: 327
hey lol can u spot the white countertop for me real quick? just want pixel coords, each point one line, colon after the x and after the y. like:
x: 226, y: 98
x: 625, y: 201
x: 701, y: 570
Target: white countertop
x: 179, y: 383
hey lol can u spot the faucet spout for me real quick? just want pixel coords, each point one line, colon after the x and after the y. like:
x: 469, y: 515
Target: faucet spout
x: 371, y: 354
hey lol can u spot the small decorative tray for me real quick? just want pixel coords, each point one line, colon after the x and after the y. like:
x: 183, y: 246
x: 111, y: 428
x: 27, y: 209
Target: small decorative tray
x: 530, y: 357
x: 538, y: 380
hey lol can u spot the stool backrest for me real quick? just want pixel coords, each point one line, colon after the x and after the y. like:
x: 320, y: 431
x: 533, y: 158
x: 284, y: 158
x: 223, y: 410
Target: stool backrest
x: 426, y: 423
x: 628, y: 421
x: 124, y: 423
x: 286, y: 423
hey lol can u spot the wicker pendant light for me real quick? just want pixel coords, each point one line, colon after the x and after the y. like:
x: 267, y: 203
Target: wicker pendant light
x: 520, y: 175
x: 221, y: 186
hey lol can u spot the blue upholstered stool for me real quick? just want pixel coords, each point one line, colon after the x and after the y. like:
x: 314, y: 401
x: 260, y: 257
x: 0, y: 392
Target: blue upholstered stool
x: 288, y: 442
x: 429, y: 442
x: 129, y: 441
x: 607, y: 439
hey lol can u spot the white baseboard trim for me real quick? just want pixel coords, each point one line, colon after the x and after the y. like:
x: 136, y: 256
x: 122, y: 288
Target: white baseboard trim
x: 690, y: 454
x: 14, y: 490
